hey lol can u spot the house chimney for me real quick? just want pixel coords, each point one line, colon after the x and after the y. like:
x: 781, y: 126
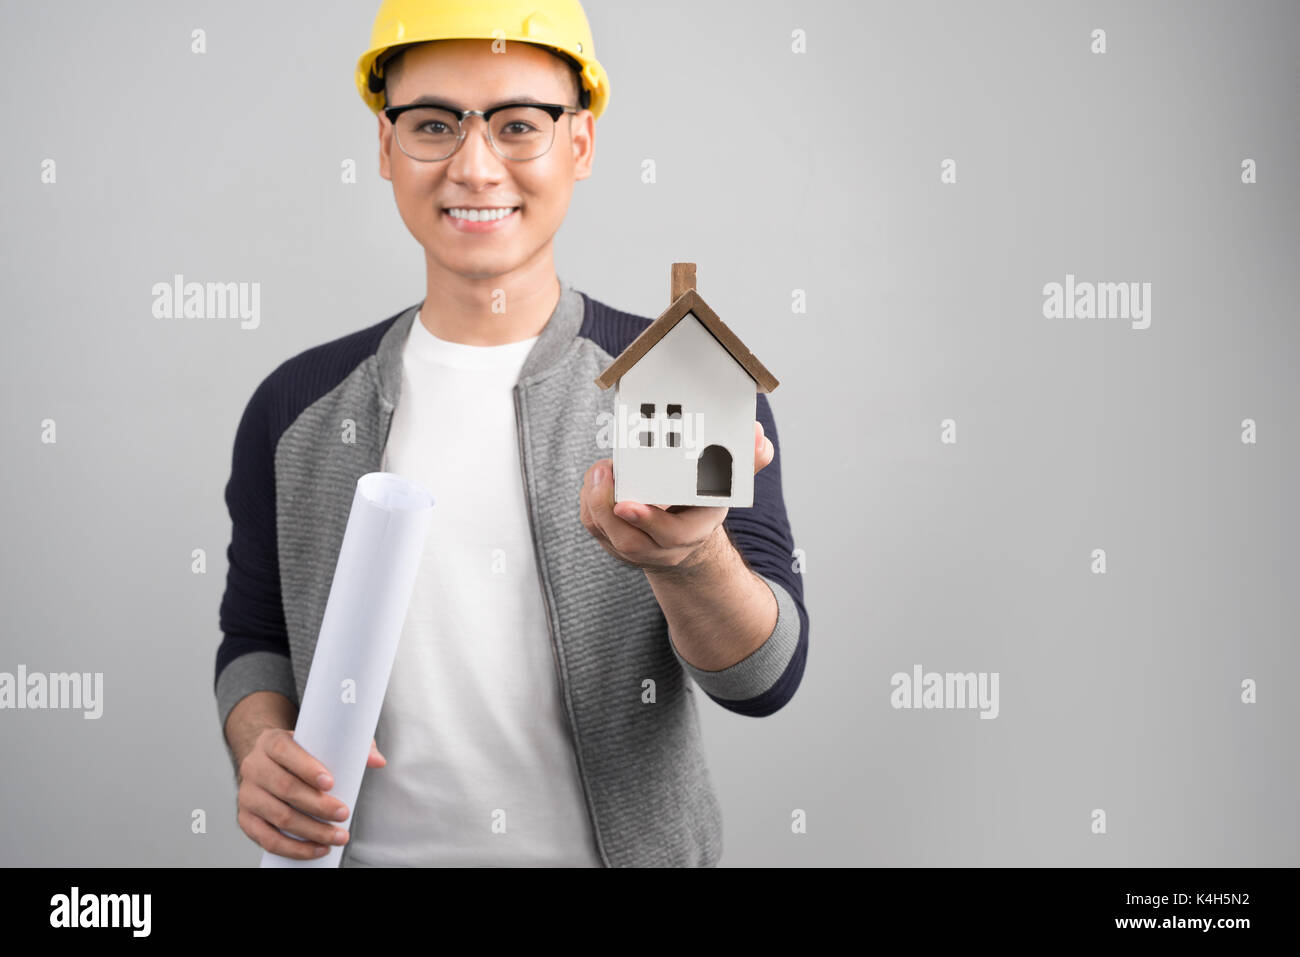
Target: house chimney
x: 683, y: 280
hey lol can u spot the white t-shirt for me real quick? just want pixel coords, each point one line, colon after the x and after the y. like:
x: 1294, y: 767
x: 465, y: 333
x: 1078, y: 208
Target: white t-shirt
x: 481, y: 768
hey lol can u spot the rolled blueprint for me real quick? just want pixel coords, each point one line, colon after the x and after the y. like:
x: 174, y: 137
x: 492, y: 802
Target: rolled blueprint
x: 364, y: 614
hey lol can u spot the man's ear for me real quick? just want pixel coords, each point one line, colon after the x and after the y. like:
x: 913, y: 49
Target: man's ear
x: 584, y: 142
x: 385, y: 147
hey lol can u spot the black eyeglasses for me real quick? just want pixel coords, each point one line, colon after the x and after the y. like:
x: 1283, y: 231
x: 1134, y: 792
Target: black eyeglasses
x: 516, y: 131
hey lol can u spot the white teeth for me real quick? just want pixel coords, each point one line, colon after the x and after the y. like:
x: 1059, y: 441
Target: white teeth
x: 482, y: 215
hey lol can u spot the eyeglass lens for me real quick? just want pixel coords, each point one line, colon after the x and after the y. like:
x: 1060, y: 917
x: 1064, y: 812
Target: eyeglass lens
x: 519, y: 133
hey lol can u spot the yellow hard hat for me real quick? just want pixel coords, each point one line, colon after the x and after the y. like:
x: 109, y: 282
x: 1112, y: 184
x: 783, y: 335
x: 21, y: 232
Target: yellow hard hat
x: 558, y: 24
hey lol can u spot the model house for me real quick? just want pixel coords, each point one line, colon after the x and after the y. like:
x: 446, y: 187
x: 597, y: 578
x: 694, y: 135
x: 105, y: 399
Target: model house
x: 685, y: 396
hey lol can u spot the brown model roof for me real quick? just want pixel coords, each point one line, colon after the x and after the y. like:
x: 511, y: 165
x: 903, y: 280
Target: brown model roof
x: 688, y: 301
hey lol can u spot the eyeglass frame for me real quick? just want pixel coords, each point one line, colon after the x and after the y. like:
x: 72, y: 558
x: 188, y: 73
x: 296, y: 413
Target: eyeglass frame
x: 555, y: 110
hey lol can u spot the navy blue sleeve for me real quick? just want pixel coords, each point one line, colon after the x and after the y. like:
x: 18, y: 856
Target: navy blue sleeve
x: 763, y: 537
x: 251, y: 615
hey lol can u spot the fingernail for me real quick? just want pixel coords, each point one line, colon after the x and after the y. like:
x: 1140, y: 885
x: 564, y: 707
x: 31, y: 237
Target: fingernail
x: 323, y: 781
x: 598, y: 476
x: 322, y: 850
x: 632, y: 516
x: 340, y: 836
x: 341, y: 814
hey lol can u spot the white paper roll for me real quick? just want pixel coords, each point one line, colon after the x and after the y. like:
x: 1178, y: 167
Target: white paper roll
x: 359, y: 632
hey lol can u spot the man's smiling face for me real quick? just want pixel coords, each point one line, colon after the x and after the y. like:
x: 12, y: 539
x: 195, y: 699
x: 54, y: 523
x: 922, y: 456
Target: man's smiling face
x: 468, y: 75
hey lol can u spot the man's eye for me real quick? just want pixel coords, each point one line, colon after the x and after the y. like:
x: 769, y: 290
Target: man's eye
x: 426, y: 127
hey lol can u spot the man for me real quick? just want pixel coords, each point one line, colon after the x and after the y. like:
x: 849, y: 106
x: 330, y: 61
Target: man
x: 539, y: 709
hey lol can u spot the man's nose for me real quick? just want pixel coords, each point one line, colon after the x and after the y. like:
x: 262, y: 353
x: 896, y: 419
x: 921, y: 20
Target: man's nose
x: 475, y: 159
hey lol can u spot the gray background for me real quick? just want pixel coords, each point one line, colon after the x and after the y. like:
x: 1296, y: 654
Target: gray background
x: 1118, y: 691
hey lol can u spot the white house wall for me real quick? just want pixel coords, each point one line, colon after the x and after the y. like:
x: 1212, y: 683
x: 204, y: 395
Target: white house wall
x: 690, y: 368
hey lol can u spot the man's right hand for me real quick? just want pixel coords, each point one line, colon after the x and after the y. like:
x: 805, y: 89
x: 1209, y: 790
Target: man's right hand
x: 280, y: 785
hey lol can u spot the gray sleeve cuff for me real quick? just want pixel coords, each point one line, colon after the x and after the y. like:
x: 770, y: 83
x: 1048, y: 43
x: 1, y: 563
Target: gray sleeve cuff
x: 255, y: 671
x: 755, y: 674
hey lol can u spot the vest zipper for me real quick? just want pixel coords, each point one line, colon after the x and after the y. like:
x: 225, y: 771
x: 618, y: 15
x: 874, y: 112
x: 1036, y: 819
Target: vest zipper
x: 550, y: 631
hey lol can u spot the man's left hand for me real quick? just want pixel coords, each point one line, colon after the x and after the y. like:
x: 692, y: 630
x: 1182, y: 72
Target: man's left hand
x: 654, y: 537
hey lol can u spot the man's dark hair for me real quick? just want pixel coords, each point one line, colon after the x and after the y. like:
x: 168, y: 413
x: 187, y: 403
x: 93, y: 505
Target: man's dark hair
x: 391, y: 65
